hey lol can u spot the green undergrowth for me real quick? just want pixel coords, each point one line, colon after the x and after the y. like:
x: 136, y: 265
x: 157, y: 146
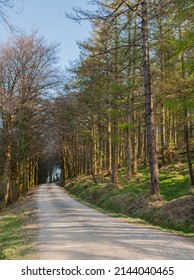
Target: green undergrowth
x: 11, y: 239
x: 174, y: 210
x: 17, y: 231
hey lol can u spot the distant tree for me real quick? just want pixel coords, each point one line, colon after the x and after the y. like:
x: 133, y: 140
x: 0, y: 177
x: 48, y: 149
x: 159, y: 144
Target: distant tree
x: 28, y: 72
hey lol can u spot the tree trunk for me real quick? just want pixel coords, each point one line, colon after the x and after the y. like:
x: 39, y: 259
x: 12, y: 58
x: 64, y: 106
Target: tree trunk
x: 188, y: 153
x: 151, y: 137
x: 93, y: 157
x: 6, y: 179
x: 134, y: 142
x: 186, y: 124
x: 163, y: 134
x: 128, y: 146
x: 7, y: 173
x: 109, y: 147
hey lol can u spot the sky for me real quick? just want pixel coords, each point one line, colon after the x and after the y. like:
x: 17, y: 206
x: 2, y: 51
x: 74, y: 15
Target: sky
x: 48, y: 16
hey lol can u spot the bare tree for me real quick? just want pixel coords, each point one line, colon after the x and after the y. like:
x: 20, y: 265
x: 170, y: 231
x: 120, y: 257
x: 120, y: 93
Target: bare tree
x: 28, y: 72
x: 7, y: 6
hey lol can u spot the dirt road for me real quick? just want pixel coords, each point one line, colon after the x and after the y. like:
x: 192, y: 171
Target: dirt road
x: 71, y: 230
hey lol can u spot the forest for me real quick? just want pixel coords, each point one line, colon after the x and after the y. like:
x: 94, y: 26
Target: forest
x: 126, y: 104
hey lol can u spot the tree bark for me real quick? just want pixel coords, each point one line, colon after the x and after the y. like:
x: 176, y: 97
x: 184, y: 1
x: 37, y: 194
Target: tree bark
x: 186, y: 124
x: 7, y: 173
x: 128, y: 146
x: 188, y: 153
x: 151, y: 137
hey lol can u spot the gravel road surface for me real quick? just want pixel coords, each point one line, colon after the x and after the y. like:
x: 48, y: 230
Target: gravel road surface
x: 70, y: 230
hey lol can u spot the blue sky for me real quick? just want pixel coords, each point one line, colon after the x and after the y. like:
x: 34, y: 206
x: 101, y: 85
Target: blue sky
x: 49, y: 17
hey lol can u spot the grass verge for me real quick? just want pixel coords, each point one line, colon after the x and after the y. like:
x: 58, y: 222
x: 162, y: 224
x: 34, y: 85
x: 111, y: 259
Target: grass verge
x: 18, y: 226
x: 174, y: 210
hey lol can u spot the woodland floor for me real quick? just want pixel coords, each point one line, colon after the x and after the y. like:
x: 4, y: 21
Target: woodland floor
x: 19, y: 229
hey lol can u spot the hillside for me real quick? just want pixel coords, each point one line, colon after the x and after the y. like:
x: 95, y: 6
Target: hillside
x: 173, y: 210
